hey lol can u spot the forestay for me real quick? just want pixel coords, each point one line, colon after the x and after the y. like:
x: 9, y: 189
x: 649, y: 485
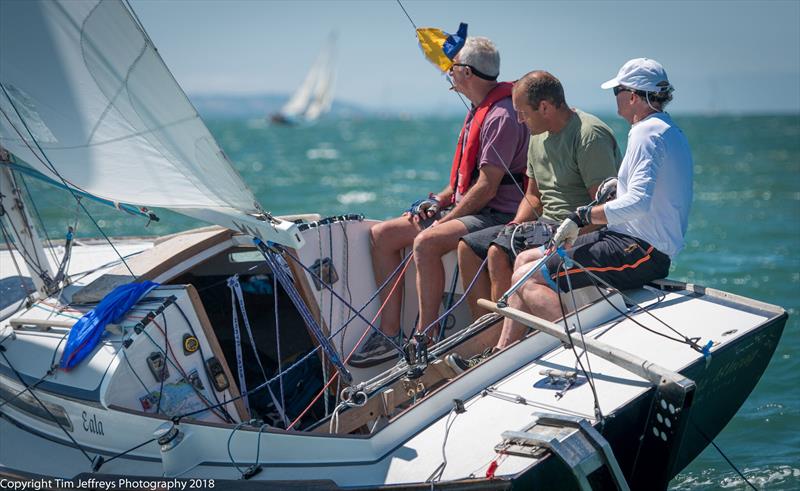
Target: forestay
x: 86, y: 95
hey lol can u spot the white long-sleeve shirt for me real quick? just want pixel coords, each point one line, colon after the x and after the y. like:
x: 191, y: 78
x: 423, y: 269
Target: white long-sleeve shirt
x: 654, y: 192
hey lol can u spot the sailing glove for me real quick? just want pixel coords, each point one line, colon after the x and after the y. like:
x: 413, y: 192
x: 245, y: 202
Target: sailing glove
x: 606, y: 191
x: 424, y: 208
x: 568, y: 231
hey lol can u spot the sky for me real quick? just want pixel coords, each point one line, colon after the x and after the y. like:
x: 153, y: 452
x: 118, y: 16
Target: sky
x: 739, y: 57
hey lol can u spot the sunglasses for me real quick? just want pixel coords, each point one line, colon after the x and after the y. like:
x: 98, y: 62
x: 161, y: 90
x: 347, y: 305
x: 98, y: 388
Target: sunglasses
x: 460, y: 64
x: 619, y: 89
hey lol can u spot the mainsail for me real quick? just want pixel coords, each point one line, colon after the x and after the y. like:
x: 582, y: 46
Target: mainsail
x: 87, y: 99
x: 314, y: 96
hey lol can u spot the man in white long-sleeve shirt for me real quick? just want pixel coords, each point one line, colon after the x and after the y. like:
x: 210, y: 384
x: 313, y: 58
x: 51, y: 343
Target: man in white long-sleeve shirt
x: 646, y: 222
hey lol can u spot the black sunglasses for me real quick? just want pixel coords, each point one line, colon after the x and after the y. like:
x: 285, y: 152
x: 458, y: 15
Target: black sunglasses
x: 619, y: 89
x: 460, y: 64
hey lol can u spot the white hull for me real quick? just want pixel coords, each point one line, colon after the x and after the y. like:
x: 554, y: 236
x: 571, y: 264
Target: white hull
x: 406, y: 450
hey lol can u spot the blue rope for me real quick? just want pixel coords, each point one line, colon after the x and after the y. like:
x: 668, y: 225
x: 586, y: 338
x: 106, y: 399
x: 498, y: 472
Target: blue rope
x: 272, y: 260
x: 338, y: 297
x: 311, y: 353
x: 460, y: 300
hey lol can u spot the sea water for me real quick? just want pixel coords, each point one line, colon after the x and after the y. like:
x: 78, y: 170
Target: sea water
x: 743, y: 237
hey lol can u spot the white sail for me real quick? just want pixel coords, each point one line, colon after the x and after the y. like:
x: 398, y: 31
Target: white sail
x: 86, y: 98
x: 314, y: 96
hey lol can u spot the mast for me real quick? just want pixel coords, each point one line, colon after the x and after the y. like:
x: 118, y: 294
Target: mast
x: 23, y: 230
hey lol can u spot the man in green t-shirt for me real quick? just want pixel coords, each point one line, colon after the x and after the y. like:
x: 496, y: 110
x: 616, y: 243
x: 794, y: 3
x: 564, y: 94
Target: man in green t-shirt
x: 570, y: 154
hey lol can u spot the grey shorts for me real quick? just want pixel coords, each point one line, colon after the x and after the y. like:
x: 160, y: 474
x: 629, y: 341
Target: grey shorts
x: 487, y: 217
x: 527, y: 235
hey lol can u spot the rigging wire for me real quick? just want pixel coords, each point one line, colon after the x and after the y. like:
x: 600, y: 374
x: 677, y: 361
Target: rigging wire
x: 163, y: 372
x: 403, y: 264
x: 278, y: 349
x: 39, y: 218
x: 23, y: 286
x: 691, y: 342
x: 405, y: 12
x: 49, y: 165
x: 43, y: 406
x: 31, y: 260
x: 589, y: 376
x: 335, y: 375
x: 730, y: 463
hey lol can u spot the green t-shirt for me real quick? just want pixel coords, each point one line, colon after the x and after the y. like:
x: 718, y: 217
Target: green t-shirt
x: 566, y: 164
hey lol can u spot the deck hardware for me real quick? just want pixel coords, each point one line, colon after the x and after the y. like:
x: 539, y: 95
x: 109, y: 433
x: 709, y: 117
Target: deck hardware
x: 218, y: 377
x: 167, y: 435
x: 158, y: 366
x: 572, y: 439
x: 190, y: 344
x: 324, y: 271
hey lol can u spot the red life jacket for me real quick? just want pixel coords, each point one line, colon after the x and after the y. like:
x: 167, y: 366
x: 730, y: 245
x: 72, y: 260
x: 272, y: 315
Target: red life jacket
x: 464, y: 163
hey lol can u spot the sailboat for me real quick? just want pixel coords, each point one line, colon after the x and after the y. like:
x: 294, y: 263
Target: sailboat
x: 232, y: 365
x: 315, y: 95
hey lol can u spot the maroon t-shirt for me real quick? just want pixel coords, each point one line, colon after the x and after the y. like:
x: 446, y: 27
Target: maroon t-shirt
x: 504, y: 143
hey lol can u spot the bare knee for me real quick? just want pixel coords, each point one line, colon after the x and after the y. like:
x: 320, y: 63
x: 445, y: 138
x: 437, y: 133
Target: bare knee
x: 422, y: 246
x: 498, y: 258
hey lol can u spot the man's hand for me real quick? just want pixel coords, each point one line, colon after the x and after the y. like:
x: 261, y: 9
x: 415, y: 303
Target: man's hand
x: 607, y: 190
x: 567, y: 232
x: 423, y: 209
x: 508, y: 229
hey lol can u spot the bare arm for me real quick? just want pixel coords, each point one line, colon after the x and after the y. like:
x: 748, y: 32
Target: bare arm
x: 446, y: 195
x: 530, y: 207
x: 478, y: 195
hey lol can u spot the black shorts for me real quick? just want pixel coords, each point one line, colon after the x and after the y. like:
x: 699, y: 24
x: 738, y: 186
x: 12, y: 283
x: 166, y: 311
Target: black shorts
x: 487, y: 217
x: 621, y: 260
x: 526, y: 237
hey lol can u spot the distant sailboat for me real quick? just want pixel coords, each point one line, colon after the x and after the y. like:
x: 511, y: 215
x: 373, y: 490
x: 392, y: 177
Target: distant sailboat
x: 314, y: 97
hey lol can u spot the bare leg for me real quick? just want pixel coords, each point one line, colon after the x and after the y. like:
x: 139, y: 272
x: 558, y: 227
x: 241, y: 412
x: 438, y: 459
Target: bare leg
x: 387, y: 240
x: 429, y: 247
x: 526, y: 297
x: 468, y: 264
x: 499, y: 271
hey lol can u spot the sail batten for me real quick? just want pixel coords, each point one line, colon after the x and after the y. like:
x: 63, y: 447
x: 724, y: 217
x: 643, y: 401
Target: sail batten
x: 88, y: 99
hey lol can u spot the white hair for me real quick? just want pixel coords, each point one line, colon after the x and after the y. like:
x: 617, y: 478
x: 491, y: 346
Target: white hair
x: 481, y: 53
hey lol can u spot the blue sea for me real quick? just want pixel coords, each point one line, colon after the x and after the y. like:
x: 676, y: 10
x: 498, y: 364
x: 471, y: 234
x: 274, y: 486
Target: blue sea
x: 744, y: 233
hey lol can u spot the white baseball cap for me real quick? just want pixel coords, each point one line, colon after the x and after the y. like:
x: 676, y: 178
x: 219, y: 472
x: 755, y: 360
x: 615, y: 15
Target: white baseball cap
x: 641, y: 74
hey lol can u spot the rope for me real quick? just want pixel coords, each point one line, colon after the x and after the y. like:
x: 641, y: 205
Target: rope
x: 409, y: 17
x: 338, y: 297
x: 163, y: 373
x: 403, y: 264
x: 273, y: 261
x: 280, y: 357
x: 730, y: 463
x: 460, y: 300
x: 397, y: 282
x: 588, y: 374
x: 437, y: 473
x: 595, y: 279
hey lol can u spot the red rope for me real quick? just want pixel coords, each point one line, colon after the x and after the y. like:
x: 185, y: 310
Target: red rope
x: 366, y: 331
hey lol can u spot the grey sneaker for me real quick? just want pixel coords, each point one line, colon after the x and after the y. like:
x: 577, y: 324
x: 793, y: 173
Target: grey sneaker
x: 460, y: 365
x: 376, y: 349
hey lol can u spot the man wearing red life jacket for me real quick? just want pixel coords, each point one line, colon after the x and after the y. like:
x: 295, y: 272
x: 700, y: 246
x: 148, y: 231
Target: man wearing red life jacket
x: 484, y: 190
